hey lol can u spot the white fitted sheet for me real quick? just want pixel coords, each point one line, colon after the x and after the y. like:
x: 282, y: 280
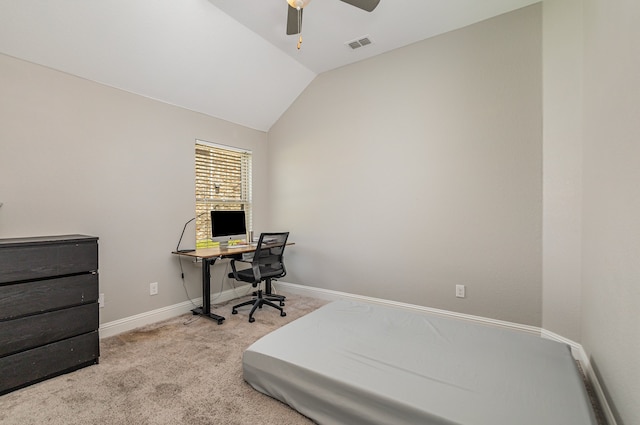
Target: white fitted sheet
x: 360, y: 363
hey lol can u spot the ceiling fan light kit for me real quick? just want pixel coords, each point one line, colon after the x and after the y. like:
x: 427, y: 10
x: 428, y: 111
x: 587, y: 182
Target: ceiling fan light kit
x: 298, y: 4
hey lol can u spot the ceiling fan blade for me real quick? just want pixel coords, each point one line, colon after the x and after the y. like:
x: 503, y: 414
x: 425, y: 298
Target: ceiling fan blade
x: 293, y: 26
x: 367, y: 5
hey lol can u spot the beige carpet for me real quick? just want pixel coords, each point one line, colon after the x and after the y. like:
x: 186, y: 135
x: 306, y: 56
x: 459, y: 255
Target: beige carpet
x: 185, y: 370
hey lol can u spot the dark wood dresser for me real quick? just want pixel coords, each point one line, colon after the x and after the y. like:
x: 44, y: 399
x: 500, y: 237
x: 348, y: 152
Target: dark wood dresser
x: 48, y: 307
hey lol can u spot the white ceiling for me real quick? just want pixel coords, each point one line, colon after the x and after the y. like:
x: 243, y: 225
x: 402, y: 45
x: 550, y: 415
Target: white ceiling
x: 230, y: 59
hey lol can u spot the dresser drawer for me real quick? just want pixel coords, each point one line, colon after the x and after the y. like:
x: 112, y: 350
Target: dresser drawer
x: 26, y: 298
x: 28, y: 367
x: 32, y: 331
x: 38, y: 260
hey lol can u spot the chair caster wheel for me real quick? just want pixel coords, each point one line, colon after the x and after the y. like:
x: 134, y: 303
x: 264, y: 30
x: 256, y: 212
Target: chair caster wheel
x: 282, y: 314
x: 281, y: 304
x: 251, y: 320
x: 234, y: 311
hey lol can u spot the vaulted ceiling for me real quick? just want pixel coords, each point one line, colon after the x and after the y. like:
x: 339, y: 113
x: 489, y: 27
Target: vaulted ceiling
x: 230, y: 59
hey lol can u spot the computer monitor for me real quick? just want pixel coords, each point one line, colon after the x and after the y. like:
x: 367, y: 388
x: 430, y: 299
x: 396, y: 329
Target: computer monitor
x: 228, y: 225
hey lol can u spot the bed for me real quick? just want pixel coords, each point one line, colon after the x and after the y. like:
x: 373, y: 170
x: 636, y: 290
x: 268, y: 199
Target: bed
x: 361, y: 363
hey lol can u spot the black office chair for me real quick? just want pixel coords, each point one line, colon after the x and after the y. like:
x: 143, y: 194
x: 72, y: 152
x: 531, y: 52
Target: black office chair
x: 267, y: 264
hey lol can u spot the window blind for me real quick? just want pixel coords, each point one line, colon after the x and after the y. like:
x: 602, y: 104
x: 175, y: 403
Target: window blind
x: 223, y: 182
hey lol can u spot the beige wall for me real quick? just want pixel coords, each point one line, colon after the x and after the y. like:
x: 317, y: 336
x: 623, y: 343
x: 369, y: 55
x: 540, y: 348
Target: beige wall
x: 611, y: 200
x: 591, y: 198
x: 79, y: 157
x: 406, y: 174
x: 562, y: 166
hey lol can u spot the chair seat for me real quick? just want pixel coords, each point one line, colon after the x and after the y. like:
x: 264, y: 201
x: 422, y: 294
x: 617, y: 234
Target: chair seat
x: 246, y: 275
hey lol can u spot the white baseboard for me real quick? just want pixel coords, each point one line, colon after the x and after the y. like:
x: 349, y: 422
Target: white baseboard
x: 595, y: 383
x: 330, y: 295
x: 581, y: 355
x: 129, y: 323
x: 577, y: 350
x: 143, y: 319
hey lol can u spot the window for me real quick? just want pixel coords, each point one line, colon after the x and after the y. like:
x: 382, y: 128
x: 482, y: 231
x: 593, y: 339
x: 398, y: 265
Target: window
x: 223, y: 182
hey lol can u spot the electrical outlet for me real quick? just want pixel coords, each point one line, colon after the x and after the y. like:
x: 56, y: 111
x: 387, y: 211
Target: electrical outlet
x: 153, y: 288
x: 101, y: 300
x: 460, y: 290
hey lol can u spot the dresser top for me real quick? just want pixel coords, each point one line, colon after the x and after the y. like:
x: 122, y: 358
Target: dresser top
x: 40, y: 240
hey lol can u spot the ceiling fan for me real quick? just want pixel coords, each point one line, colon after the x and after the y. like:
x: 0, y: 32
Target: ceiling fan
x: 294, y: 12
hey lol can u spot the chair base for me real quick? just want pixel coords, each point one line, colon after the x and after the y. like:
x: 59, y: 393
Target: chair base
x: 268, y: 295
x: 272, y: 297
x: 258, y: 302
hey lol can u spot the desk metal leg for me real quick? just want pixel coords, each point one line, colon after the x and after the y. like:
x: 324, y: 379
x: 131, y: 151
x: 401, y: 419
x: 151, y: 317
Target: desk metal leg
x: 205, y: 310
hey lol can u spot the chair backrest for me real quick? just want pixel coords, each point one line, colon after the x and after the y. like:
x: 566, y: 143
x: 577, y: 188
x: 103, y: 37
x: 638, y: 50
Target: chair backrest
x: 268, y: 261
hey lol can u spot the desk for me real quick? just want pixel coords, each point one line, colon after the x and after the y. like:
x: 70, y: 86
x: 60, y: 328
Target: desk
x: 209, y: 257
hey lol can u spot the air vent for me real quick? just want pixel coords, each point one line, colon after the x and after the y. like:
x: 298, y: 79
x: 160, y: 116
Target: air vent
x: 360, y: 42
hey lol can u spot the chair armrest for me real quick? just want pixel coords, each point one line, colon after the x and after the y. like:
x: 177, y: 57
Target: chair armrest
x: 255, y: 269
x: 233, y: 267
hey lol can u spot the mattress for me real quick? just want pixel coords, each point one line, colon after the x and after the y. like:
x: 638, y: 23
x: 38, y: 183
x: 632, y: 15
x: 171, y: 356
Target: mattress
x: 360, y: 363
